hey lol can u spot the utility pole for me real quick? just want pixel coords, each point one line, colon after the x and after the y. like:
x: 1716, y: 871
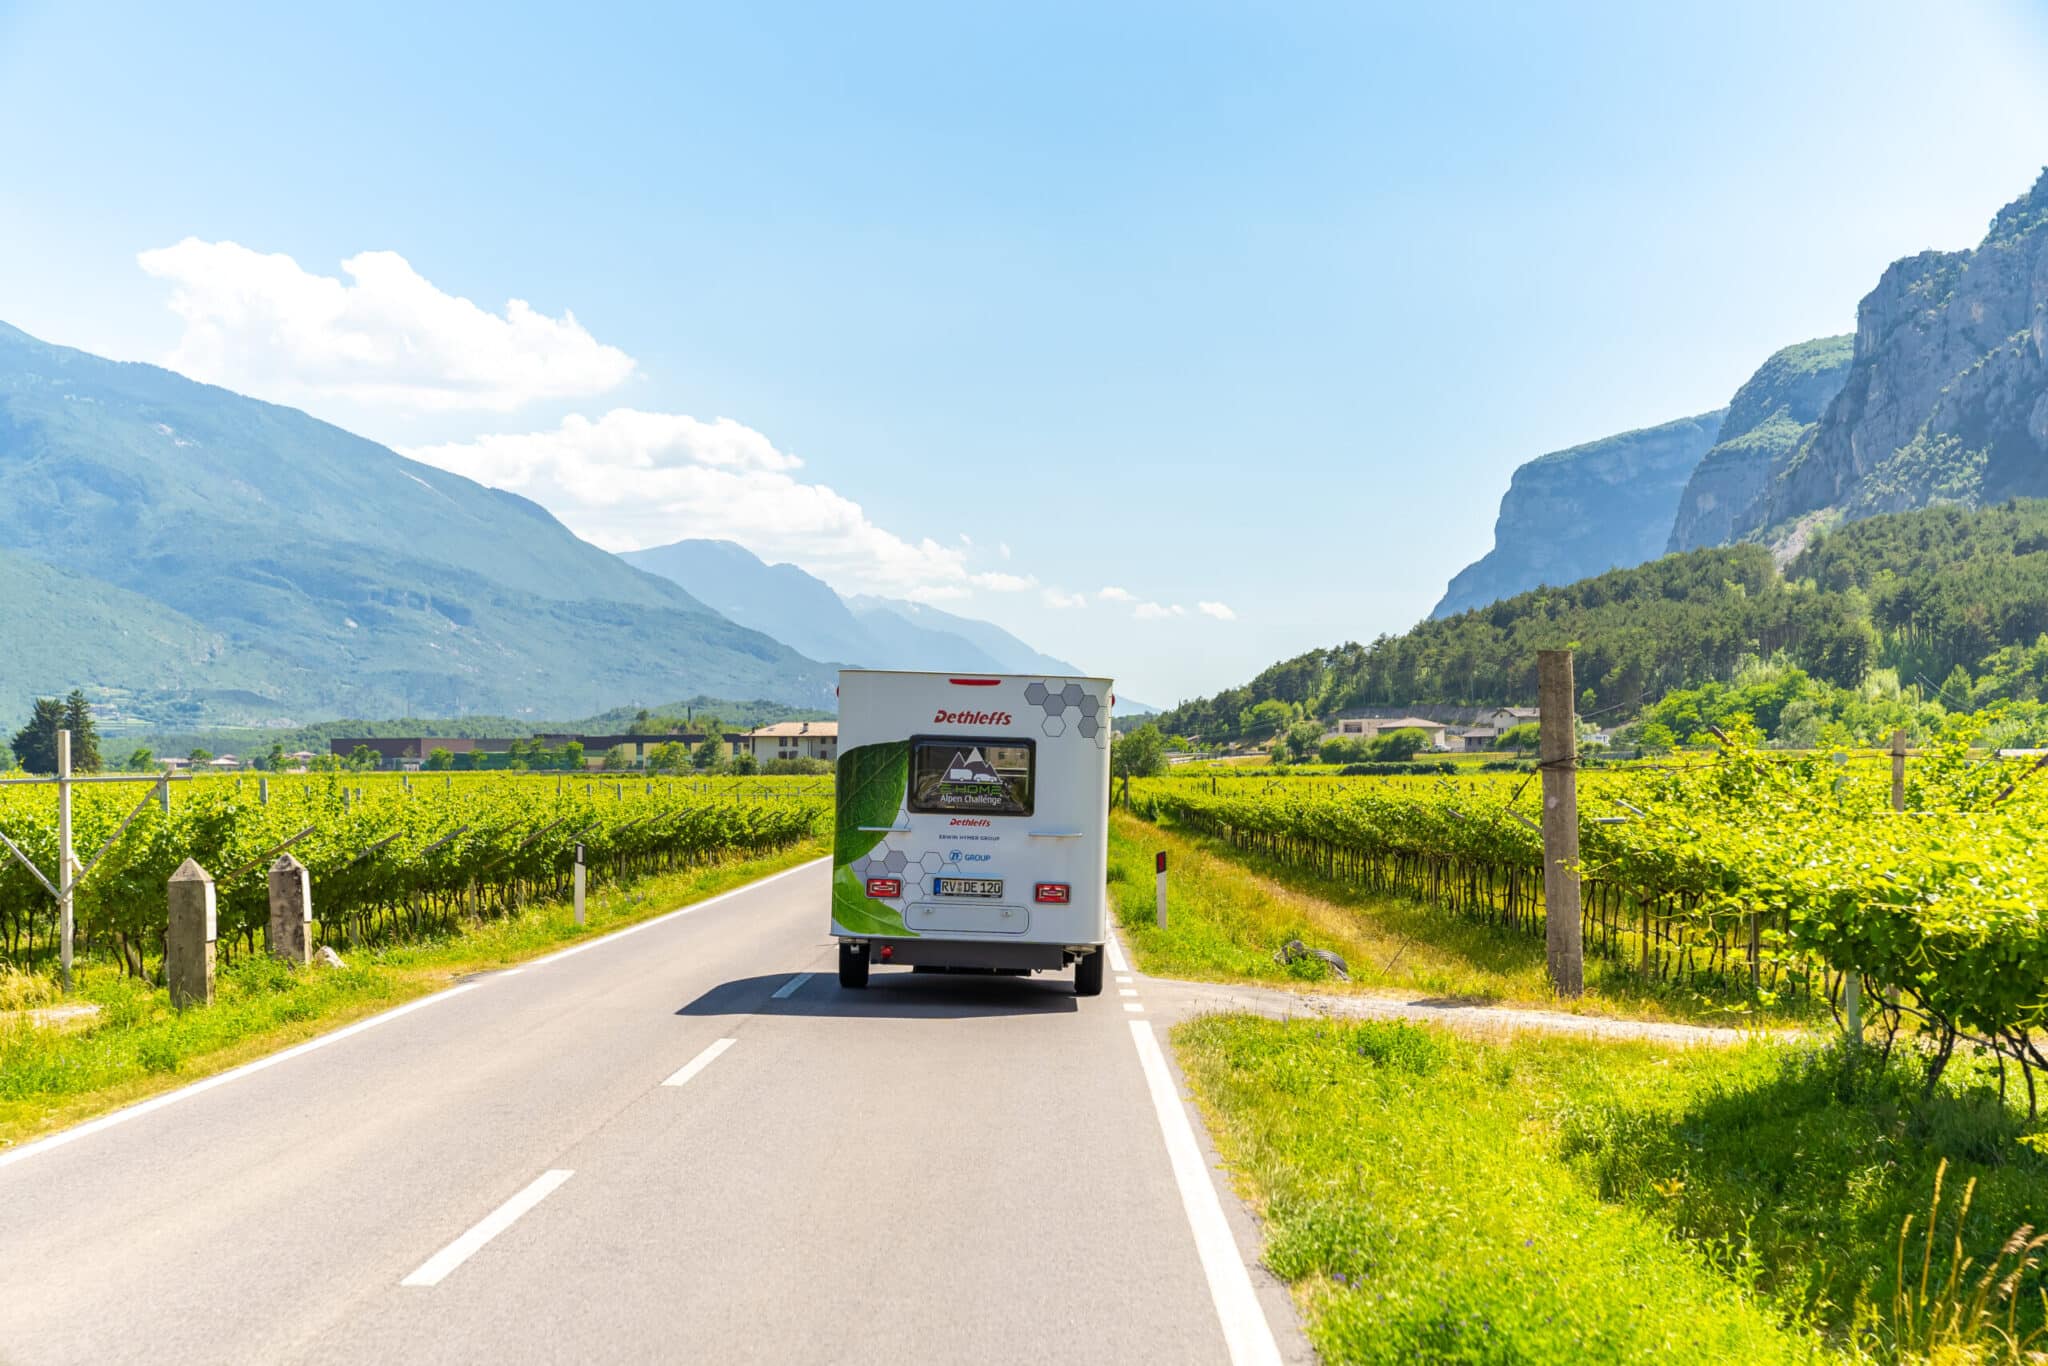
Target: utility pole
x: 1558, y: 760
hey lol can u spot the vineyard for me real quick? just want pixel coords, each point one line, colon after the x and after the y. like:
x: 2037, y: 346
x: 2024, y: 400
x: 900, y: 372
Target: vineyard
x: 390, y: 857
x: 1777, y: 872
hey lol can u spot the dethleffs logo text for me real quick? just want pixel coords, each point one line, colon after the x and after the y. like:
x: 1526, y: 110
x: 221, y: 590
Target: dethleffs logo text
x: 971, y: 718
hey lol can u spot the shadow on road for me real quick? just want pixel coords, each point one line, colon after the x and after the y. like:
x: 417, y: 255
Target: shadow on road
x: 892, y: 993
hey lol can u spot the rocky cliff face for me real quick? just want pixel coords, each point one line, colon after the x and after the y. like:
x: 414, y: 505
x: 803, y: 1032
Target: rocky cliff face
x: 1769, y: 418
x: 1579, y: 512
x: 1947, y: 398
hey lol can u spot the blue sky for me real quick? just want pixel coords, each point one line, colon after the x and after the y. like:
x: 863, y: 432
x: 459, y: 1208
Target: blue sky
x: 1254, y: 307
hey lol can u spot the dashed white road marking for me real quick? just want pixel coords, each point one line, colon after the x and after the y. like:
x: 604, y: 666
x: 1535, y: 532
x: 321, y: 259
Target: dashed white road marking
x: 1124, y: 981
x: 1127, y: 991
x: 1246, y: 1334
x: 1134, y: 1006
x: 136, y: 1111
x: 791, y: 987
x: 1117, y: 961
x: 437, y: 1267
x: 699, y: 1063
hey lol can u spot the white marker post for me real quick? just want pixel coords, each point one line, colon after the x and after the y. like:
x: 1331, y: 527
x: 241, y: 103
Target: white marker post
x: 1159, y: 879
x: 579, y: 884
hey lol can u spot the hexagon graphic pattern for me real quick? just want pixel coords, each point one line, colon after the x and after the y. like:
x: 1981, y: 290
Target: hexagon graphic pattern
x: 1070, y: 706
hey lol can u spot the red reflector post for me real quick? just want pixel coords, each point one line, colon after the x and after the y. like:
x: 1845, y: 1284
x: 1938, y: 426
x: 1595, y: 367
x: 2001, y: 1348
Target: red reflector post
x: 1053, y: 893
x: 885, y: 886
x: 1159, y: 862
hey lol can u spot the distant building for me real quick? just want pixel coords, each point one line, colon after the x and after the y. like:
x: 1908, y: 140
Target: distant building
x: 1372, y: 727
x: 795, y: 740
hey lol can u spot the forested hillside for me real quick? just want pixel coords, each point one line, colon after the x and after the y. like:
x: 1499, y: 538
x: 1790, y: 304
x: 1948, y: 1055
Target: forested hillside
x: 1925, y: 592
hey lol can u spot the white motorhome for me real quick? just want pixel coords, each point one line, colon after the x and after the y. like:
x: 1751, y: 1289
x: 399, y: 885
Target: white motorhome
x: 973, y: 823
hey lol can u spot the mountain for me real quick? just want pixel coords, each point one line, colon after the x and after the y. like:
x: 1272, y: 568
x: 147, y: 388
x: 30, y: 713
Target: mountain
x: 1946, y: 400
x: 1926, y: 593
x: 1576, y: 512
x: 779, y: 600
x: 1770, y: 417
x: 795, y: 607
x: 291, y: 568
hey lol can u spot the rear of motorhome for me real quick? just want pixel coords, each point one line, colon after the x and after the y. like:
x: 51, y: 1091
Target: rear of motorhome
x: 973, y: 823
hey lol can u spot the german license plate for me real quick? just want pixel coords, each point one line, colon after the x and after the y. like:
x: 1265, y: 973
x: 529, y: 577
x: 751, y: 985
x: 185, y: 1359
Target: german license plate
x: 970, y: 886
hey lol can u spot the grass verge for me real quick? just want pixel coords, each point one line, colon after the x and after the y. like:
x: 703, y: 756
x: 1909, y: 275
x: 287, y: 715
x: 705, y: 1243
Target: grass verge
x: 51, y: 1077
x: 1228, y: 912
x: 1433, y: 1198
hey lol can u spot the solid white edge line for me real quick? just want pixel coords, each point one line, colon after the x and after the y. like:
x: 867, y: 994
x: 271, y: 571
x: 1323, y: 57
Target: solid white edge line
x: 436, y: 1268
x: 662, y: 919
x: 136, y: 1111
x: 1246, y: 1334
x: 141, y: 1108
x: 791, y: 987
x: 1117, y: 961
x: 699, y: 1063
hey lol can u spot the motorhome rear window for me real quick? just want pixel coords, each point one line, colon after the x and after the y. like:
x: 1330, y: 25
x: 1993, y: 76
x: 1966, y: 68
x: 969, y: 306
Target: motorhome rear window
x: 972, y: 777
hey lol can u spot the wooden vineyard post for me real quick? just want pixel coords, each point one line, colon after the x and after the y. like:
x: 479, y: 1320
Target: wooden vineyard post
x: 1898, y: 770
x: 1558, y: 758
x: 67, y: 885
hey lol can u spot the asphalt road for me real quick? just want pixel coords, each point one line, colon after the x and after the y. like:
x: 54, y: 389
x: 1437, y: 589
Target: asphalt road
x: 666, y: 1145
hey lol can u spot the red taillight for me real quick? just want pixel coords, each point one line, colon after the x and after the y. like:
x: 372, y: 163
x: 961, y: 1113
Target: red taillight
x: 888, y: 952
x: 885, y: 886
x: 1053, y: 893
x: 974, y: 682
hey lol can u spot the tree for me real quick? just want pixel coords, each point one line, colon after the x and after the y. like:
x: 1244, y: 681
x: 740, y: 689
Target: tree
x: 439, y: 758
x: 744, y: 764
x: 200, y: 756
x: 572, y: 756
x: 1140, y: 753
x: 362, y: 757
x: 1520, y: 737
x: 1397, y: 746
x: 85, y: 736
x: 1264, y: 718
x: 616, y: 758
x: 277, y: 759
x: 1301, y: 741
x: 710, y: 755
x: 142, y: 760
x: 35, y: 744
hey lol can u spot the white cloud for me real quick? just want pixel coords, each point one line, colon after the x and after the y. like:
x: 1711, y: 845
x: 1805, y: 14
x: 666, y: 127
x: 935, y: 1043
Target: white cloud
x: 1114, y: 595
x: 1003, y: 549
x: 1054, y: 598
x: 1218, y: 610
x: 1004, y: 583
x: 631, y: 479
x: 1153, y: 611
x: 386, y: 337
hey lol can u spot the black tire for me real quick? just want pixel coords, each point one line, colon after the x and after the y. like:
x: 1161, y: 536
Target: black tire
x: 1088, y: 974
x: 853, y: 966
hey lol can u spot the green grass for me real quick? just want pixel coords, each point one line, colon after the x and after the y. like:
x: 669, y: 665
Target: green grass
x: 1438, y: 1199
x: 52, y: 1076
x: 1228, y: 912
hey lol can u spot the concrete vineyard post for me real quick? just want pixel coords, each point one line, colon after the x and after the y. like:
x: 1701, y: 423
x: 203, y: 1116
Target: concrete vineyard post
x: 1898, y: 770
x: 579, y: 884
x: 1159, y: 888
x: 1557, y: 750
x: 291, y: 911
x: 263, y: 791
x: 188, y: 940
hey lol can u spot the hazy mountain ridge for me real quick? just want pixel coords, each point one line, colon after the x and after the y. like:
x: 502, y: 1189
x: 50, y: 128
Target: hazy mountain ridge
x: 300, y: 570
